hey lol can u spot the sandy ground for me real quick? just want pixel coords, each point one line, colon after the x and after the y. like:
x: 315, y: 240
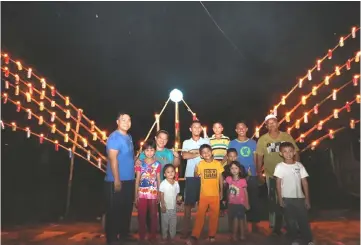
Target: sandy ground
x: 338, y: 231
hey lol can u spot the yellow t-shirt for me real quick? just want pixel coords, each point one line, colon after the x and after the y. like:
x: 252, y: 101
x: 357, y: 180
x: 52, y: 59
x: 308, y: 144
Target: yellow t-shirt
x: 209, y: 172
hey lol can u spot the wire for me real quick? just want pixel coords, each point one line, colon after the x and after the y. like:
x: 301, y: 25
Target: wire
x: 220, y: 29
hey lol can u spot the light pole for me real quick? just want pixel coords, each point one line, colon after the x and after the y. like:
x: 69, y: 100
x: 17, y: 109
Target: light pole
x: 176, y: 96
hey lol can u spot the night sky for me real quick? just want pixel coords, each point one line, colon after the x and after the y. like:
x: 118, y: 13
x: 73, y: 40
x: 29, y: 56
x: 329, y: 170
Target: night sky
x: 128, y: 56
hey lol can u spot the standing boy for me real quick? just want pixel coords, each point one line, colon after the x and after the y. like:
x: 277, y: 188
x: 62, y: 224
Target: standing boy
x: 210, y: 173
x: 246, y: 149
x: 291, y: 179
x: 219, y: 142
x: 190, y: 152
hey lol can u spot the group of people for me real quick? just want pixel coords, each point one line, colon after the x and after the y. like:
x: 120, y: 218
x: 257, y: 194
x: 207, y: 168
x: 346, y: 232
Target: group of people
x: 221, y: 176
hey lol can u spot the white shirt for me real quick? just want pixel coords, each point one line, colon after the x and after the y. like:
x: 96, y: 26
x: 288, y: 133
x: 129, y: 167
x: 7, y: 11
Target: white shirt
x: 291, y: 175
x: 170, y: 193
x: 191, y: 144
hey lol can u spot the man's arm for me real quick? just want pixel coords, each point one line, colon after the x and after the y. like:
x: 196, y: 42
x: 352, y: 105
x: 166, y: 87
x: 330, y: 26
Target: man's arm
x: 176, y: 159
x: 190, y: 154
x: 297, y: 156
x: 196, y: 171
x: 112, y: 155
x: 259, y: 163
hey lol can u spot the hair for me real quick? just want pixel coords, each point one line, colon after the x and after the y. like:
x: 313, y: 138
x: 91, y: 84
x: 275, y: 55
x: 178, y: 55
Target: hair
x: 242, y: 170
x: 286, y: 144
x: 242, y: 122
x: 195, y: 121
x: 121, y: 114
x: 149, y: 144
x: 229, y: 150
x: 204, y: 146
x: 217, y: 122
x: 169, y: 165
x: 162, y: 132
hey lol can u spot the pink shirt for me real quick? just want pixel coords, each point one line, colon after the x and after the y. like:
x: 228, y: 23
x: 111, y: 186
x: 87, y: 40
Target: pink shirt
x: 236, y: 193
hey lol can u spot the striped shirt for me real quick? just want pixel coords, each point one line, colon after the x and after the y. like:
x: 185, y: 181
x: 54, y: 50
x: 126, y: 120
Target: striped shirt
x: 219, y: 146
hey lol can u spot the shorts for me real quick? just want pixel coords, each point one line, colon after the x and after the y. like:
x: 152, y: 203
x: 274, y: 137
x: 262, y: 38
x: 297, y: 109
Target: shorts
x: 192, y: 190
x: 236, y: 211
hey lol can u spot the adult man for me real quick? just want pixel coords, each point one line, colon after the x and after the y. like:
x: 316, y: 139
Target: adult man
x: 268, y: 154
x: 164, y: 156
x: 190, y: 152
x: 119, y: 181
x: 246, y: 149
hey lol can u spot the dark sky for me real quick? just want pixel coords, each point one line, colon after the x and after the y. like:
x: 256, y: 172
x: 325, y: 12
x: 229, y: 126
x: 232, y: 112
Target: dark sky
x: 129, y: 55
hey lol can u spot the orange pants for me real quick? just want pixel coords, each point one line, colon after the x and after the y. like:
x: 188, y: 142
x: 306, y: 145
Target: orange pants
x: 204, y: 202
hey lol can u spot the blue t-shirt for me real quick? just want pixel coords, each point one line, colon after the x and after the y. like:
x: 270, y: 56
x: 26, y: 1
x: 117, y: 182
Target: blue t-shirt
x: 164, y: 157
x: 245, y: 152
x: 124, y: 144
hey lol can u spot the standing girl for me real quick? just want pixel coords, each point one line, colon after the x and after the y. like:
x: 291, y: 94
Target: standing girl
x: 169, y: 189
x: 237, y: 199
x: 146, y: 191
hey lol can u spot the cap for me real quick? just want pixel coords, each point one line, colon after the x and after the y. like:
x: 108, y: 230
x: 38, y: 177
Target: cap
x: 271, y: 116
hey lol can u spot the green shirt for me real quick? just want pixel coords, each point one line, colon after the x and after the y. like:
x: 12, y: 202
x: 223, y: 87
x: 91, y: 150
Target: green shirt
x: 269, y: 148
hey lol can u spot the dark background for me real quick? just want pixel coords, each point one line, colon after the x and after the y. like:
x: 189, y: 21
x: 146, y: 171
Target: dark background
x: 129, y: 55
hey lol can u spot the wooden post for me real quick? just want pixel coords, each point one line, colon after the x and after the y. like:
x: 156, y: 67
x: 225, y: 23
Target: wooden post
x: 70, y: 181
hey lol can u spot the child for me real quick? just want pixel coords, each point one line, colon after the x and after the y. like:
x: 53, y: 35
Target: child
x: 237, y: 199
x: 146, y: 191
x: 219, y: 142
x: 230, y: 157
x: 291, y: 178
x: 210, y: 173
x: 169, y: 189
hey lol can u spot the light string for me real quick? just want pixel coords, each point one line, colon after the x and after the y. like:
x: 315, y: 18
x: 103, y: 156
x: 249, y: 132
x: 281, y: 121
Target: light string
x: 317, y: 66
x: 316, y: 142
x: 55, y: 142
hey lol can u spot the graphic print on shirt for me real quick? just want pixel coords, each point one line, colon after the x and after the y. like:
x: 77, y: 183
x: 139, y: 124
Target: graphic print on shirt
x: 245, y: 151
x: 274, y: 147
x: 233, y: 190
x: 148, y: 180
x: 210, y: 174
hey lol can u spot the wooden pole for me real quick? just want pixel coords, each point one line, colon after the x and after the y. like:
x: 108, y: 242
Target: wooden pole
x: 70, y: 181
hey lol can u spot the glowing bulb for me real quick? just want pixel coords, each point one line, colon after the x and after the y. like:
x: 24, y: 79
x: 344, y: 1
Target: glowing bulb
x: 327, y: 80
x: 300, y: 82
x: 319, y: 65
x: 176, y: 95
x: 341, y: 42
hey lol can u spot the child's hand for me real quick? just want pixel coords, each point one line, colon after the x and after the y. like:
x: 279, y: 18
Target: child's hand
x: 307, y: 204
x: 163, y: 209
x: 224, y: 202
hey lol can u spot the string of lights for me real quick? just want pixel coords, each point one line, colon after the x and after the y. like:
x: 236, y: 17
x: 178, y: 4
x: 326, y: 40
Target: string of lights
x: 334, y: 115
x: 331, y: 135
x: 54, y: 92
x: 316, y: 107
x: 325, y: 82
x: 42, y: 138
x: 317, y: 66
x: 54, y: 129
x: 52, y: 114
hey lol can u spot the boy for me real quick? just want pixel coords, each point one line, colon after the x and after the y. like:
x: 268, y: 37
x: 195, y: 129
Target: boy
x: 219, y: 142
x: 246, y: 149
x: 190, y: 152
x: 210, y: 173
x: 291, y: 178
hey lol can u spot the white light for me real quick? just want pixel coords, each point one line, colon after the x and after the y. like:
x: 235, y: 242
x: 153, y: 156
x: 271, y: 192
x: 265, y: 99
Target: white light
x: 176, y: 95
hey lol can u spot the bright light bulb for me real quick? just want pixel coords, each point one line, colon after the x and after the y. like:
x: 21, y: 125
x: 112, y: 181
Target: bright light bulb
x: 176, y: 95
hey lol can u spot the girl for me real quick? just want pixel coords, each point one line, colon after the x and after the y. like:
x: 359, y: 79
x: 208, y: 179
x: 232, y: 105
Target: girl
x: 146, y: 191
x: 237, y: 199
x: 169, y: 189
